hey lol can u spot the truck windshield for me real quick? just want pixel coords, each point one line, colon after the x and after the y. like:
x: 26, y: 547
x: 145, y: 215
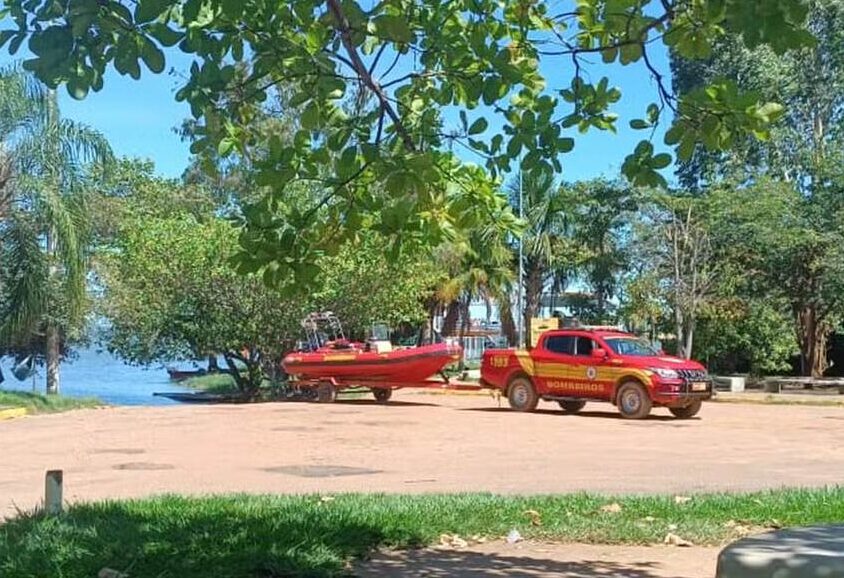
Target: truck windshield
x: 630, y: 346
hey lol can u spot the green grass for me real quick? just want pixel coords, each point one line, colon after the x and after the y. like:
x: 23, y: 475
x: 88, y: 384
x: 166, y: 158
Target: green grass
x: 264, y: 536
x: 213, y: 383
x: 37, y: 403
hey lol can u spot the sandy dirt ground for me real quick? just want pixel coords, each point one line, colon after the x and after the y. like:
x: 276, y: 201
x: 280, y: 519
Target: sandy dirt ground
x: 417, y: 443
x: 431, y: 443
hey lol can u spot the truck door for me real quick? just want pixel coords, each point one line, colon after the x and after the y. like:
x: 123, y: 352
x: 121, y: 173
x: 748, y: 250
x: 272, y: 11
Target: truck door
x: 592, y: 375
x: 554, y: 364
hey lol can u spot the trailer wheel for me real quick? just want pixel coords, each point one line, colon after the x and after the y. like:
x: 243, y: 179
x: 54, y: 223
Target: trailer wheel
x: 326, y: 392
x: 382, y: 394
x: 572, y: 405
x: 633, y: 401
x: 522, y: 395
x: 688, y: 411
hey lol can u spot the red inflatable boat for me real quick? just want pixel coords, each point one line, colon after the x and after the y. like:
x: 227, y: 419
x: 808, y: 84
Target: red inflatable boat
x: 356, y: 361
x: 328, y: 362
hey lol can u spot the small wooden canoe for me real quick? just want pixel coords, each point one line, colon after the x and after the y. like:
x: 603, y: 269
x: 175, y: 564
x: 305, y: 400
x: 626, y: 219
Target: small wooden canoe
x: 179, y: 375
x: 200, y: 397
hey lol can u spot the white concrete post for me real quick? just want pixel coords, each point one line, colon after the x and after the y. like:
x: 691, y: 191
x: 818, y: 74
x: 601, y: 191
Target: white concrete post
x: 53, y: 492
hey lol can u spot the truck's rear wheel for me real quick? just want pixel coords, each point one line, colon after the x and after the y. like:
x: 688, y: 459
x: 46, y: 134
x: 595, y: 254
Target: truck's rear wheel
x: 382, y: 394
x: 687, y: 411
x: 326, y: 392
x: 633, y: 400
x: 522, y: 395
x: 572, y: 405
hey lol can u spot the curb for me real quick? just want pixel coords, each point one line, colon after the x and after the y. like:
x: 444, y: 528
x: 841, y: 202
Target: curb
x: 12, y: 412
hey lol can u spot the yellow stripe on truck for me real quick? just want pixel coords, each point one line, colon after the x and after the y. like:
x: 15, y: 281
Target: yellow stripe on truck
x: 526, y: 361
x: 566, y: 371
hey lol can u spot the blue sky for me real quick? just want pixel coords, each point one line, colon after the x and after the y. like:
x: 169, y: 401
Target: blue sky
x: 139, y: 117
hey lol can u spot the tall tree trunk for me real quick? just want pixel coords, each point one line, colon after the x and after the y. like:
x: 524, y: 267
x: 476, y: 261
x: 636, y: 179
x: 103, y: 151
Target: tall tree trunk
x: 689, y: 339
x: 52, y: 355
x: 452, y: 317
x: 508, y: 325
x: 678, y: 329
x: 533, y: 295
x: 813, y: 334
x: 52, y: 351
x: 465, y: 317
x: 426, y: 334
x: 241, y: 382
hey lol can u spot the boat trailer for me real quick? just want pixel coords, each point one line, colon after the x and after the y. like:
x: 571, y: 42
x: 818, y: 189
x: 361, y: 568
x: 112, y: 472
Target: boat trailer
x: 325, y: 390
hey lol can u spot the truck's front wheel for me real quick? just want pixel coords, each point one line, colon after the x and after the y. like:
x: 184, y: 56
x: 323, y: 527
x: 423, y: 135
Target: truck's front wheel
x: 522, y: 395
x: 633, y: 400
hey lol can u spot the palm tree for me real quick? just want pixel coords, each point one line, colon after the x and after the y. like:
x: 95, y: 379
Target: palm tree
x: 550, y: 251
x: 43, y: 228
x: 477, y: 266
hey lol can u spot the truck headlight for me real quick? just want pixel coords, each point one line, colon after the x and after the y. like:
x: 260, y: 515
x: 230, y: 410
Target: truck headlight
x: 665, y: 373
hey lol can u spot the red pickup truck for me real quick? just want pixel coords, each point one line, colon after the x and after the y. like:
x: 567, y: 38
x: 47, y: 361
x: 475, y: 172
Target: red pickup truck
x: 573, y: 366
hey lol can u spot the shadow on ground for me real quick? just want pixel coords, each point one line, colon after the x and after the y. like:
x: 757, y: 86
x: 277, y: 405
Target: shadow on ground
x: 613, y: 415
x: 443, y: 563
x: 391, y: 403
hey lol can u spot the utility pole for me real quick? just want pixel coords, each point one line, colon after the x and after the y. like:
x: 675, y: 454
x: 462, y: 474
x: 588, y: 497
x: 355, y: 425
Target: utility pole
x: 521, y: 309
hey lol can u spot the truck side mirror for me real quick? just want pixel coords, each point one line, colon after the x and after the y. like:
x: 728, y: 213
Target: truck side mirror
x: 598, y: 353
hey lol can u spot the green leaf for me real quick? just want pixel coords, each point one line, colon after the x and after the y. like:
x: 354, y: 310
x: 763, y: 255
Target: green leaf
x: 673, y: 135
x: 77, y: 88
x: 149, y: 10
x: 310, y: 116
x: 225, y: 147
x: 514, y: 147
x: 5, y: 36
x: 686, y: 148
x: 492, y: 90
x: 164, y: 34
x: 153, y: 56
x: 479, y: 126
x: 565, y: 144
x: 630, y: 53
x: 639, y: 124
x: 392, y: 27
x: 660, y: 161
x: 770, y: 111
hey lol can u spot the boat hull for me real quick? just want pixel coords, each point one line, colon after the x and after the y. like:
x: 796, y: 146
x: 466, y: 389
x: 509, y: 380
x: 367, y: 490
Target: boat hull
x: 404, y: 365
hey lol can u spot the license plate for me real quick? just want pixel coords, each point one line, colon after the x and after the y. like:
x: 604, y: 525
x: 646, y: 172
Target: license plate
x: 700, y: 386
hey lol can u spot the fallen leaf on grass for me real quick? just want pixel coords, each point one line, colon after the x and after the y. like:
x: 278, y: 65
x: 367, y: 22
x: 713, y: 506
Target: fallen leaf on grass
x: 682, y: 499
x: 742, y: 528
x: 535, y: 517
x: 453, y: 541
x: 649, y: 519
x: 613, y: 508
x: 675, y: 540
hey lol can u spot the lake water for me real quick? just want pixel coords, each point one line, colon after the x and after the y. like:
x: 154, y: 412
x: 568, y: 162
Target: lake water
x: 100, y: 374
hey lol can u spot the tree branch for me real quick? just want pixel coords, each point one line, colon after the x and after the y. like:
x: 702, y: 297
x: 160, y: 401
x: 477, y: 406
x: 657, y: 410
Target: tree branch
x: 345, y: 35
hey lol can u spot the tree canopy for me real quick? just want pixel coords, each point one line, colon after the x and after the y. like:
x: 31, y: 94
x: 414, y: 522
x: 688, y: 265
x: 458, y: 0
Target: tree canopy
x: 386, y: 90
